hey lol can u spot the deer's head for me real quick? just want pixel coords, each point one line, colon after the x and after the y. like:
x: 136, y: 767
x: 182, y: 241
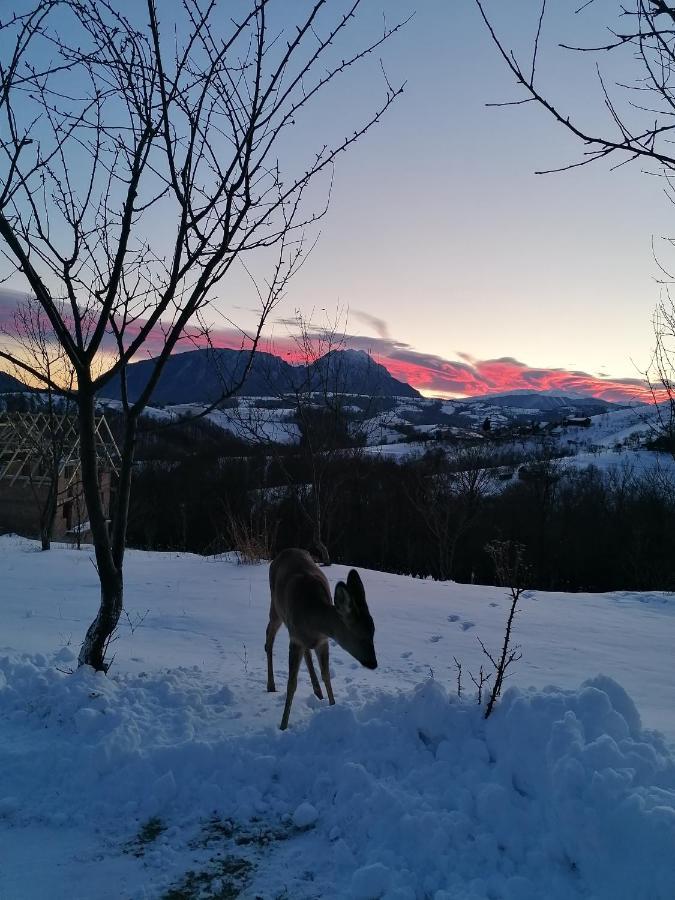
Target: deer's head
x: 351, y: 606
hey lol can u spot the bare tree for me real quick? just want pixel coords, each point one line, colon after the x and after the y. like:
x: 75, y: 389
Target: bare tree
x: 141, y: 158
x: 450, y: 497
x: 638, y: 126
x: 46, y: 439
x: 332, y: 427
x: 661, y: 375
x: 327, y: 425
x: 641, y: 127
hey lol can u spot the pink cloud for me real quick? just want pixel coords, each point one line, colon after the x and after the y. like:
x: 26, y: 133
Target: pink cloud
x: 505, y: 375
x: 433, y: 374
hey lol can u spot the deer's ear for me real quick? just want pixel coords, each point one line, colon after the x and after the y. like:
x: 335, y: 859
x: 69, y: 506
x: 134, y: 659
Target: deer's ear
x: 343, y: 601
x: 355, y: 588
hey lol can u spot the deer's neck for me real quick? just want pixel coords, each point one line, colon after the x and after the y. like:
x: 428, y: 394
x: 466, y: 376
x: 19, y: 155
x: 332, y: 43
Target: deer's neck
x: 333, y: 626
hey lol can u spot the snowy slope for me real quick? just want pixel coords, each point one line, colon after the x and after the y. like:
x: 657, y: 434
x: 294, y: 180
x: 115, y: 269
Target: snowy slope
x: 618, y: 425
x: 399, y: 791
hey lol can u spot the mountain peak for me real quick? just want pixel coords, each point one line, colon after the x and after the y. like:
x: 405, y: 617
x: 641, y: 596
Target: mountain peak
x: 198, y: 376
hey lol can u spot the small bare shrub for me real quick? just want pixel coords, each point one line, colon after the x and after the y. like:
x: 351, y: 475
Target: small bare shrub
x: 251, y: 538
x: 480, y: 682
x: 508, y: 559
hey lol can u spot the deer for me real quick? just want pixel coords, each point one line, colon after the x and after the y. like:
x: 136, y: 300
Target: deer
x: 301, y: 600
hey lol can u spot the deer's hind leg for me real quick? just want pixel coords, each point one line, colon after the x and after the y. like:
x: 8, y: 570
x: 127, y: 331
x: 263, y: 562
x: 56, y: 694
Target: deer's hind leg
x: 294, y: 659
x: 322, y: 656
x: 316, y: 687
x: 273, y: 626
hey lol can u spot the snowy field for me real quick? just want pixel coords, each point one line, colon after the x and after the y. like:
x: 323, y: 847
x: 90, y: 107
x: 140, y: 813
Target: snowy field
x: 170, y: 779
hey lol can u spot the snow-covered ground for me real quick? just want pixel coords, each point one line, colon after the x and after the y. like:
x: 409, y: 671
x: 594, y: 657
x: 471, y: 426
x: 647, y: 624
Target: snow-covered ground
x: 618, y: 425
x: 636, y: 463
x: 120, y: 786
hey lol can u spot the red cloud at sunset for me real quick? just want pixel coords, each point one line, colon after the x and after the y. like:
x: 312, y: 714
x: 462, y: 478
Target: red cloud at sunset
x: 468, y: 377
x: 454, y: 378
x: 429, y: 373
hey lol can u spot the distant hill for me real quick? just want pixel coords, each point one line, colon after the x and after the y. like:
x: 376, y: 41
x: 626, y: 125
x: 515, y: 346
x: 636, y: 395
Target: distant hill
x: 11, y: 385
x: 545, y: 402
x: 198, y: 376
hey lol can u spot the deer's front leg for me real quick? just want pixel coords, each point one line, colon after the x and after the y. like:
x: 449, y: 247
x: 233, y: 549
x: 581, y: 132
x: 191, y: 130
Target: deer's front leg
x: 295, y: 654
x: 324, y: 665
x: 316, y: 687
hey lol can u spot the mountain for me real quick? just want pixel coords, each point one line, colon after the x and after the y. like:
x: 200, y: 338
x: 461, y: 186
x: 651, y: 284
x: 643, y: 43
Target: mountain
x: 356, y: 372
x: 11, y: 385
x: 198, y: 376
x: 524, y: 407
x: 545, y: 402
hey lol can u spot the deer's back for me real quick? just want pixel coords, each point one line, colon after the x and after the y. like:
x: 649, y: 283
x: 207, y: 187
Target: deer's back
x: 297, y: 586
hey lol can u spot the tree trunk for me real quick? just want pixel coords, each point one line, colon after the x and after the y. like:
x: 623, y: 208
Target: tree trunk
x: 48, y: 514
x: 121, y: 517
x: 318, y: 547
x: 320, y: 550
x: 95, y: 644
x: 93, y: 650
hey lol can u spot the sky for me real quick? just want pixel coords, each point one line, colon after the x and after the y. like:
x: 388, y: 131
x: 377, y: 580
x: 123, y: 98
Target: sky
x: 445, y: 254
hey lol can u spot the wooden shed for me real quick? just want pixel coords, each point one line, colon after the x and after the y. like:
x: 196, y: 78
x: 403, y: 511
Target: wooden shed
x: 40, y: 483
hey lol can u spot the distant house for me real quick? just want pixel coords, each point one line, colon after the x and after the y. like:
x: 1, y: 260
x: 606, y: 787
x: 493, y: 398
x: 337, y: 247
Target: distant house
x: 39, y: 457
x: 579, y: 421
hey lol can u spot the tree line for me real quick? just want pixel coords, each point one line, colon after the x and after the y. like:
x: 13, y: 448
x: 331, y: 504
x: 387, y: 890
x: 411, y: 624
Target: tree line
x: 583, y: 529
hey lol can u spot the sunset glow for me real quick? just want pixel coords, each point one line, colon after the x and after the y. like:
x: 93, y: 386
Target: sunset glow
x: 494, y: 279
x: 432, y: 375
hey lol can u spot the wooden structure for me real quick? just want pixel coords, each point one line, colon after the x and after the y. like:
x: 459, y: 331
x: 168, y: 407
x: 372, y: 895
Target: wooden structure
x: 39, y: 454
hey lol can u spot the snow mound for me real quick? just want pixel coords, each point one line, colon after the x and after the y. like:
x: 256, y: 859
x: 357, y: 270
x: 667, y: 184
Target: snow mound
x: 561, y: 794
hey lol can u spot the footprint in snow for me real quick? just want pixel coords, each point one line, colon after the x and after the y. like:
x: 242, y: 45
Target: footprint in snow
x: 435, y: 638
x: 453, y: 618
x: 406, y: 654
x: 494, y: 604
x: 467, y: 625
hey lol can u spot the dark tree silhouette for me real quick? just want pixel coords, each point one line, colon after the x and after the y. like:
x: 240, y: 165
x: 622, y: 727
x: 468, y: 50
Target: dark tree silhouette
x: 142, y: 156
x: 637, y: 126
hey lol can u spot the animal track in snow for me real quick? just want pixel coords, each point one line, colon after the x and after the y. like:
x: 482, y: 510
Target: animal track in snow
x: 435, y: 638
x: 453, y: 618
x: 406, y: 654
x: 467, y: 625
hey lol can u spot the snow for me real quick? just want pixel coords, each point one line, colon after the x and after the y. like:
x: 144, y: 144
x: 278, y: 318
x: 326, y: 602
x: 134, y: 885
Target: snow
x: 615, y: 426
x: 401, y: 790
x: 305, y: 815
x: 257, y: 425
x: 403, y: 452
x: 635, y: 463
